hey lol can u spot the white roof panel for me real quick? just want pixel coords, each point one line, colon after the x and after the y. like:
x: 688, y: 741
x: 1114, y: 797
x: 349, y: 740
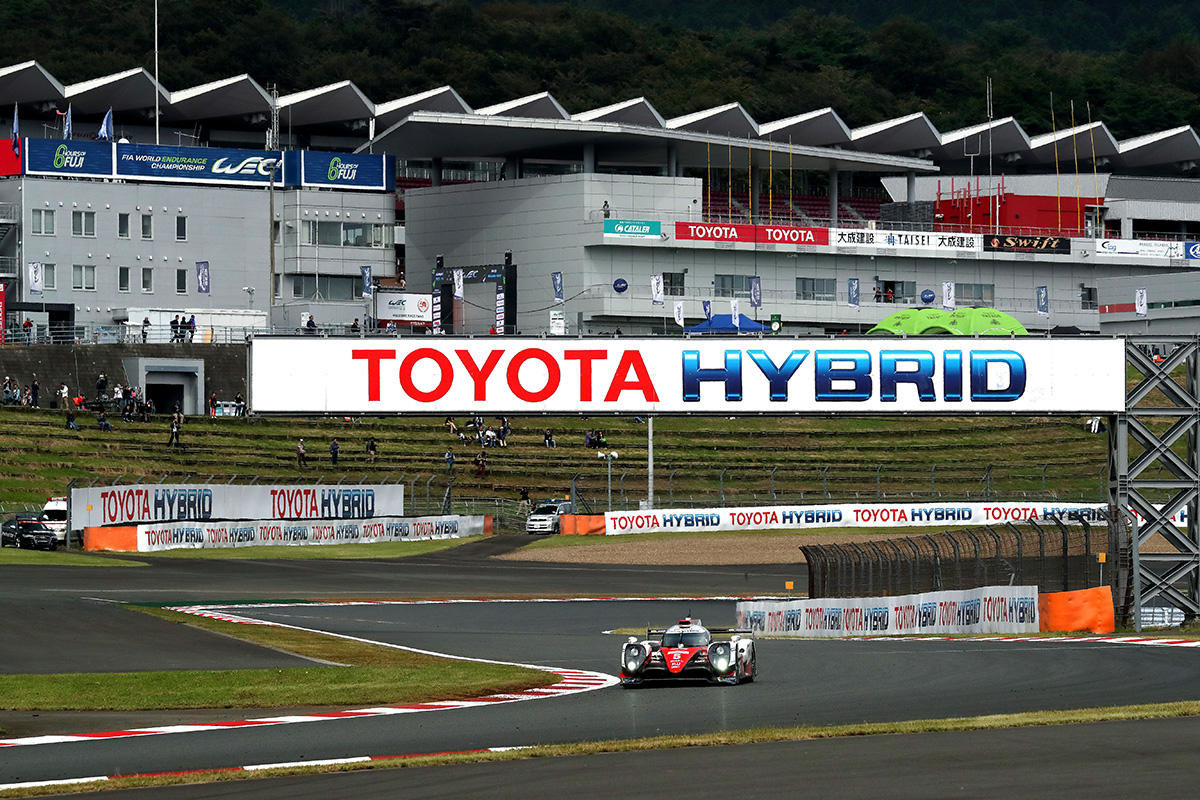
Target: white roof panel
x: 1174, y: 146
x: 443, y: 98
x: 636, y: 111
x: 1073, y: 143
x: 230, y: 97
x: 335, y: 102
x: 28, y: 82
x: 1007, y: 136
x: 122, y: 91
x: 907, y: 134
x: 820, y: 128
x: 537, y: 106
x: 727, y: 120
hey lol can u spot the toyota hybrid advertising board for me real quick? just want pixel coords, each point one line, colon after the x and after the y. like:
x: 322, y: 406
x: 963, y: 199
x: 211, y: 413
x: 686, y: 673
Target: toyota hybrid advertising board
x: 844, y: 375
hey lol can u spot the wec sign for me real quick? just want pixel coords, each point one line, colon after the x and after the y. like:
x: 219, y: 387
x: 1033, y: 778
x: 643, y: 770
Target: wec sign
x: 661, y: 375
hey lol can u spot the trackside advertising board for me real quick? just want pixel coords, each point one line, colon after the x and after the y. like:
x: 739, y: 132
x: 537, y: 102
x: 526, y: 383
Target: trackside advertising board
x: 843, y: 375
x: 990, y: 609
x: 159, y: 502
x: 842, y: 515
x: 251, y: 533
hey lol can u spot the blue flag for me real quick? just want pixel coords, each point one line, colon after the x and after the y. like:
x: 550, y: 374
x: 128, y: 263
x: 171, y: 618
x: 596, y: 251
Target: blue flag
x: 67, y: 123
x: 755, y: 291
x: 16, y: 133
x: 202, y: 277
x: 1042, y: 298
x: 707, y: 306
x: 852, y: 290
x: 105, y: 133
x: 556, y: 280
x: 367, y: 283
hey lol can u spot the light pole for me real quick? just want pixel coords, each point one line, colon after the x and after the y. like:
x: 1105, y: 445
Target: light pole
x: 250, y: 291
x: 608, y: 457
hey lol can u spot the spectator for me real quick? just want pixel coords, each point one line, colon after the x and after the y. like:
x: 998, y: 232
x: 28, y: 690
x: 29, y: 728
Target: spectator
x: 548, y: 439
x: 175, y: 328
x: 525, y: 505
x: 239, y: 404
x: 604, y: 209
x: 128, y: 409
x: 889, y: 296
x: 71, y: 426
x: 354, y: 328
x: 599, y: 439
x: 450, y: 426
x: 587, y: 438
x: 102, y: 421
x: 212, y: 406
x: 101, y: 385
x: 878, y: 294
x: 371, y: 450
x: 34, y: 388
x: 490, y: 439
x: 333, y: 452
x: 63, y: 394
x: 27, y: 327
x: 310, y: 327
x: 480, y: 465
x: 301, y: 455
x: 145, y: 329
x: 191, y: 327
x: 449, y: 461
x: 176, y: 429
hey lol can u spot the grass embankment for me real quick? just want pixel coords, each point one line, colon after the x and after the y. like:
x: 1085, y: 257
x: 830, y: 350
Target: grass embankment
x: 848, y: 457
x: 373, y: 675
x: 328, y: 551
x: 61, y: 558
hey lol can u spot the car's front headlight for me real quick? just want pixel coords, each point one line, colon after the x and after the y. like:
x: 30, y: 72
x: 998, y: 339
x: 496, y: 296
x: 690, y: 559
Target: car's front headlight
x: 634, y: 655
x: 718, y: 656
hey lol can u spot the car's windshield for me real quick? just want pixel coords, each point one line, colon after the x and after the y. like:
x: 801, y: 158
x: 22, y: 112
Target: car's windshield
x: 548, y: 508
x: 55, y: 514
x: 686, y: 639
x: 33, y: 527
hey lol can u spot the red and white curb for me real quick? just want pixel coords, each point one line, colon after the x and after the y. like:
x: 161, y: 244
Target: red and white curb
x: 1139, y: 640
x: 321, y: 762
x: 573, y: 682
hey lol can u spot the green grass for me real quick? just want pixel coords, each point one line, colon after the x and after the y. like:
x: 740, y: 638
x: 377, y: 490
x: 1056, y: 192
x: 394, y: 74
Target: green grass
x: 61, y: 558
x: 325, y: 551
x: 373, y: 675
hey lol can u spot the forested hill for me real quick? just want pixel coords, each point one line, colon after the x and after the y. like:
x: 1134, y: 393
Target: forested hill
x: 1137, y: 63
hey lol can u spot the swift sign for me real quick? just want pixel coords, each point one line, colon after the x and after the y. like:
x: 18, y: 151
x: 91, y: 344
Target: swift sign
x: 945, y: 375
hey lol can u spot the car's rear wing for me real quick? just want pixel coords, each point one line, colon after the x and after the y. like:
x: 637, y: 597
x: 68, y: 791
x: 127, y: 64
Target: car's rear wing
x: 657, y: 633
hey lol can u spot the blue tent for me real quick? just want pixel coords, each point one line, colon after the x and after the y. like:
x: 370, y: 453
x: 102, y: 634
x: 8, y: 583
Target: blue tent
x: 723, y: 323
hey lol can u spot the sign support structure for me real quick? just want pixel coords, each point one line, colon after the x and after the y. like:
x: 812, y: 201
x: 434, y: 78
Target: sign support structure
x: 1149, y: 476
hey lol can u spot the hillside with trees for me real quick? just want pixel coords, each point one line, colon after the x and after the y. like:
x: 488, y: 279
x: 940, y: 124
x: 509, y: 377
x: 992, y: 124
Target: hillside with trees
x: 1138, y: 64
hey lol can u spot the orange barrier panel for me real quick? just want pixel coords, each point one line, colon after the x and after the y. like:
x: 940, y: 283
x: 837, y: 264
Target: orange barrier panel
x: 1082, y: 610
x: 487, y: 525
x: 581, y: 524
x: 122, y: 538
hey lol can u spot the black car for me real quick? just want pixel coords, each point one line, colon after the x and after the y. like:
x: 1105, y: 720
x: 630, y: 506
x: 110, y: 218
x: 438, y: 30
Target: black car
x: 26, y: 531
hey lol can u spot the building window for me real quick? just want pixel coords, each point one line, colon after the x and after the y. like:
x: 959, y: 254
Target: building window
x: 83, y: 223
x: 329, y: 234
x: 49, y: 279
x: 181, y: 229
x: 83, y: 277
x: 975, y: 293
x: 122, y: 279
x: 673, y: 283
x: 816, y: 288
x: 278, y: 285
x: 1087, y: 298
x: 123, y: 225
x: 381, y: 236
x: 42, y: 223
x: 355, y: 235
x: 277, y: 232
x: 331, y: 287
x: 147, y: 226
x: 731, y: 286
x: 181, y: 281
x: 147, y: 280
x: 304, y: 285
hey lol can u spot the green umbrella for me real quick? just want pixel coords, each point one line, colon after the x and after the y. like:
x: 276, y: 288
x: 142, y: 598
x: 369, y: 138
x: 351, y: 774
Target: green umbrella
x: 986, y: 322
x: 915, y: 322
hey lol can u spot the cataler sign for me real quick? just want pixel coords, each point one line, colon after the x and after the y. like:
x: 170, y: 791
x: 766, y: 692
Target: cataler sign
x: 945, y: 375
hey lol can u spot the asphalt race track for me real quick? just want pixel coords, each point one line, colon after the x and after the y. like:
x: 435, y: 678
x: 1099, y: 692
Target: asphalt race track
x: 801, y: 682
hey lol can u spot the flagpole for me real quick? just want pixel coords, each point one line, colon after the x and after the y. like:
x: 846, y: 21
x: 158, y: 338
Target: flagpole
x: 1057, y: 184
x: 156, y: 79
x: 1075, y: 156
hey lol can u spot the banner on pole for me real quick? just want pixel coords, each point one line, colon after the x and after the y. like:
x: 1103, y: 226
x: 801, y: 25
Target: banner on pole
x: 656, y: 289
x: 458, y: 284
x: 852, y: 290
x: 203, y: 276
x: 1139, y: 302
x: 948, y: 303
x: 735, y: 313
x: 368, y: 287
x: 679, y: 313
x: 36, y: 278
x: 556, y: 280
x: 755, y: 291
x: 1043, y: 301
x: 707, y: 306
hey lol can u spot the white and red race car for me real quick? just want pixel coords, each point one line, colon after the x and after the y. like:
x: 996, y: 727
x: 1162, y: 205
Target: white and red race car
x: 687, y: 651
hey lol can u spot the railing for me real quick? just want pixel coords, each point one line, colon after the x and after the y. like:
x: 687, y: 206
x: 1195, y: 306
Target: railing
x: 10, y: 212
x: 8, y: 267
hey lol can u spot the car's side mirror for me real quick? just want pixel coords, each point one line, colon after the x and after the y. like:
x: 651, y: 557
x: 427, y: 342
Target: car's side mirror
x: 632, y: 640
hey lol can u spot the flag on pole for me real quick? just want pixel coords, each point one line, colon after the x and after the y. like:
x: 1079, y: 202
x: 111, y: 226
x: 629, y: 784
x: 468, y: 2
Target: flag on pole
x: 1139, y: 301
x: 735, y: 315
x: 105, y: 133
x: 852, y: 292
x: 368, y: 284
x: 948, y: 295
x: 556, y: 280
x: 707, y: 306
x: 16, y: 133
x: 656, y: 289
x: 458, y: 284
x: 679, y: 313
x: 755, y: 291
x: 1043, y: 301
x: 67, y: 123
x: 202, y: 277
x: 36, y: 278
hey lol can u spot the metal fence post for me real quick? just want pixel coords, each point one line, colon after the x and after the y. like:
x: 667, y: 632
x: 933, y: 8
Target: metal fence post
x: 879, y: 481
x: 937, y: 563
x: 773, y: 482
x: 987, y: 483
x: 933, y: 481
x: 671, y: 487
x: 624, y: 502
x: 722, y: 479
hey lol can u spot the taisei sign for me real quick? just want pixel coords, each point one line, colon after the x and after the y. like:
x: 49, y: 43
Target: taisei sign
x: 661, y: 375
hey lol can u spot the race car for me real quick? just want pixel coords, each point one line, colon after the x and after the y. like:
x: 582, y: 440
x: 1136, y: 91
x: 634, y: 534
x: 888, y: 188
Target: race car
x: 687, y: 651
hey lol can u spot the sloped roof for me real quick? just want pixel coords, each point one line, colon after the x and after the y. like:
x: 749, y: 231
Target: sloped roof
x: 636, y: 111
x: 121, y: 91
x: 727, y: 120
x: 28, y: 82
x: 334, y: 102
x: 1173, y: 146
x: 907, y: 134
x: 229, y: 97
x: 1007, y: 136
x: 820, y: 128
x: 1073, y: 143
x: 443, y: 98
x: 539, y: 106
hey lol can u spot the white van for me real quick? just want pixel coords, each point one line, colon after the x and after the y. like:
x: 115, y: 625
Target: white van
x: 54, y: 516
x: 546, y: 516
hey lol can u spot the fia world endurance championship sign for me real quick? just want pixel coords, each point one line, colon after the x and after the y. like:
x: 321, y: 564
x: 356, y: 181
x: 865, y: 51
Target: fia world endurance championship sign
x: 950, y: 375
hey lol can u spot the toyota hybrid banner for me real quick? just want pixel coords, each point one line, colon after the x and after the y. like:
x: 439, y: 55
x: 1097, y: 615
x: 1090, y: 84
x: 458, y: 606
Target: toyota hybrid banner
x: 162, y: 502
x: 197, y: 535
x: 942, y: 375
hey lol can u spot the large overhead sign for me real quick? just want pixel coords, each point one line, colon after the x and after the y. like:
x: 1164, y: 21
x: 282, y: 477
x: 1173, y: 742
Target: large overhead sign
x: 944, y: 375
x: 57, y: 157
x: 197, y: 164
x: 339, y: 170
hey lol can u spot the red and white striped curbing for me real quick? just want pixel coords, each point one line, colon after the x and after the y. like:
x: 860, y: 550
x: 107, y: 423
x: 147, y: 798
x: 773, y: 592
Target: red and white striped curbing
x: 320, y: 762
x: 573, y: 682
x: 1140, y: 640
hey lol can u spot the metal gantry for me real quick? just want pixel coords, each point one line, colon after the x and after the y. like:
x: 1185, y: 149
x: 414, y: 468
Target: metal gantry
x: 1154, y: 469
